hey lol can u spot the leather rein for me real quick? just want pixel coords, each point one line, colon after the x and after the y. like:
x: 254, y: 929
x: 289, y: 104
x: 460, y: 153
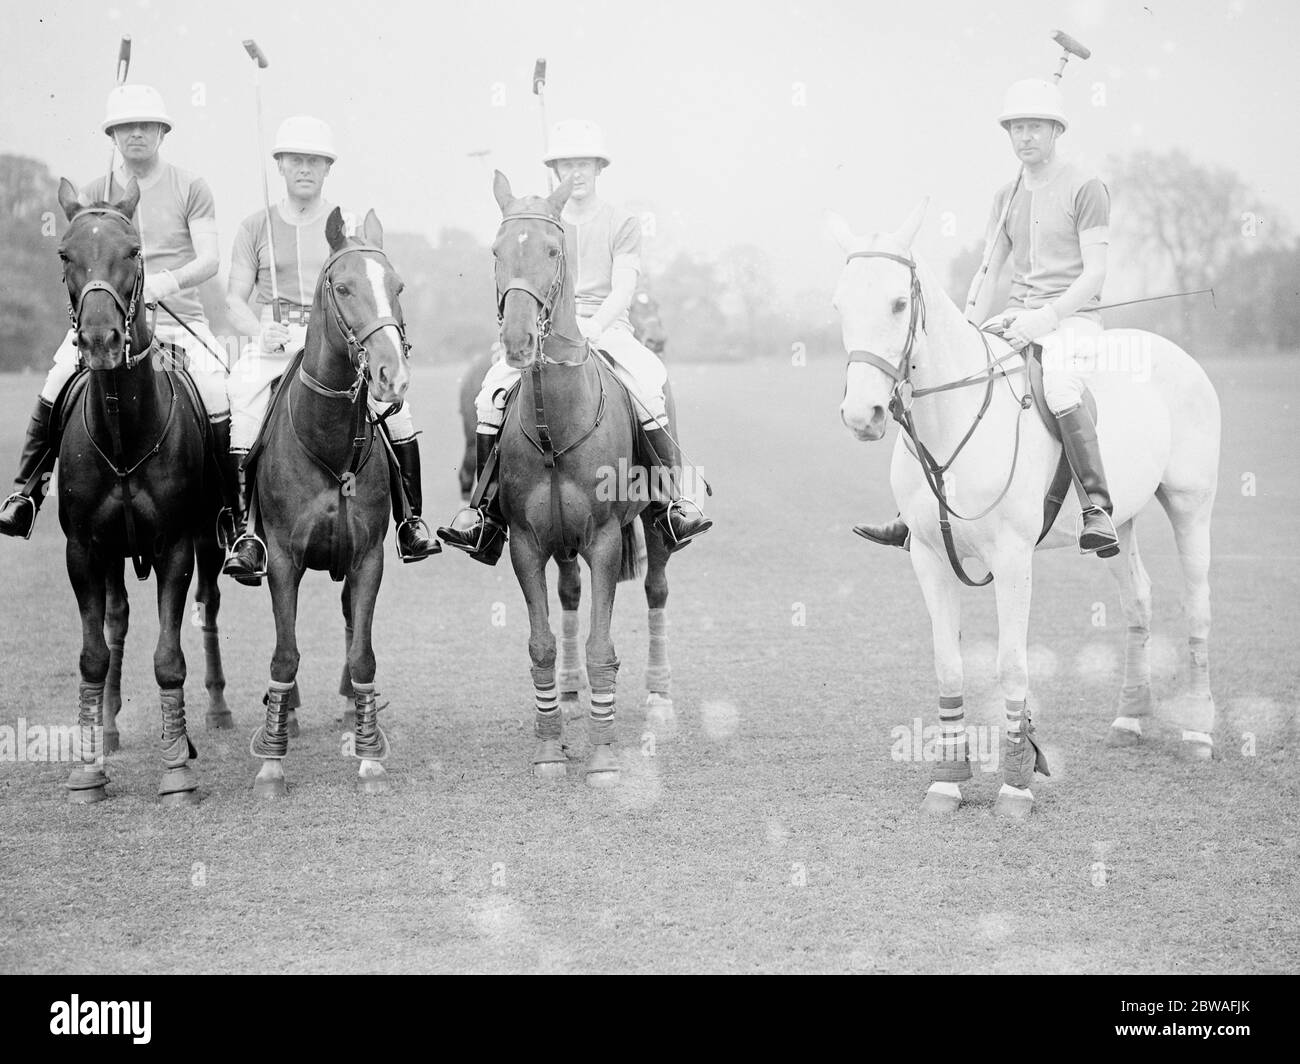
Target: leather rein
x: 544, y: 443
x: 904, y: 393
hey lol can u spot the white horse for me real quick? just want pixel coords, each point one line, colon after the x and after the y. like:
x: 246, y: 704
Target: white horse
x: 1158, y: 423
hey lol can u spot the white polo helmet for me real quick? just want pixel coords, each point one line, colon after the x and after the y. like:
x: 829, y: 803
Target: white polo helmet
x: 304, y: 135
x: 135, y: 103
x: 576, y: 139
x: 1034, y: 98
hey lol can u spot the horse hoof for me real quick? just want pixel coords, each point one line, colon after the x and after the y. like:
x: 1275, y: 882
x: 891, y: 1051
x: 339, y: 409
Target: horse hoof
x: 178, y: 798
x: 937, y: 803
x: 87, y: 796
x: 1117, y: 738
x: 270, y: 789
x: 374, y: 785
x: 291, y: 725
x: 659, y: 708
x: 1013, y: 804
x: 219, y: 720
x: 602, y: 778
x: 112, y: 741
x: 550, y: 770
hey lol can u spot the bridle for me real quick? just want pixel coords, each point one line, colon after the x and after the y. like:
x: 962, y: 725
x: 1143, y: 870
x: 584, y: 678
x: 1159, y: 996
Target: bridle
x: 903, y: 394
x: 358, y: 356
x: 127, y: 310
x: 545, y: 302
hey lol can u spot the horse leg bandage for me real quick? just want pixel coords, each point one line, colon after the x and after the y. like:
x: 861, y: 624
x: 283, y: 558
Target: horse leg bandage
x: 176, y: 746
x: 603, y: 676
x: 272, y: 739
x: 369, y: 742
x: 658, y: 674
x: 570, y: 677
x: 953, y: 765
x: 90, y: 721
x: 1021, y: 756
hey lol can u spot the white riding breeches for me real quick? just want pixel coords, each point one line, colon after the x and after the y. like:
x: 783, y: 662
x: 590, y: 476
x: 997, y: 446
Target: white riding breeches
x: 636, y: 366
x: 250, y: 392
x: 1069, y: 360
x: 208, y: 372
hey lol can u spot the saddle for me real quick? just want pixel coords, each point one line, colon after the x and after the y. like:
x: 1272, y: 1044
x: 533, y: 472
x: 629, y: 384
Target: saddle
x: 1060, y: 486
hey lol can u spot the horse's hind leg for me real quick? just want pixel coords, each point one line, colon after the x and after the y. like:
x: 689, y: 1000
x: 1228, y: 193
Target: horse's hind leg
x: 549, y: 761
x: 605, y: 559
x: 369, y: 744
x: 180, y: 783
x: 943, y: 600
x: 569, y: 668
x: 1189, y: 512
x: 208, y: 598
x: 1135, y: 701
x: 658, y: 673
x: 86, y: 780
x: 346, y: 690
x: 116, y: 621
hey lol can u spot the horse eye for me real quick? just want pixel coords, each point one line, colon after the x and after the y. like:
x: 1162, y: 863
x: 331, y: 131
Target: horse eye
x: 341, y: 289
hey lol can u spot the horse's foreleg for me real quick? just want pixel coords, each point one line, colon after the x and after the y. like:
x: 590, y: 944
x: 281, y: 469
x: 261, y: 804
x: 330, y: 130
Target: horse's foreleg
x: 270, y: 741
x: 345, y: 681
x: 174, y: 569
x: 943, y: 599
x: 116, y: 620
x: 86, y: 781
x: 369, y: 743
x: 1021, y: 756
x: 208, y: 598
x: 569, y: 668
x: 1189, y: 513
x: 1135, y: 700
x: 602, y: 663
x: 658, y: 673
x: 549, y: 761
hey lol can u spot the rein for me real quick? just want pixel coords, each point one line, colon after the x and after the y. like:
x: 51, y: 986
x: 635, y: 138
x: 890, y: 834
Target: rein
x: 900, y: 407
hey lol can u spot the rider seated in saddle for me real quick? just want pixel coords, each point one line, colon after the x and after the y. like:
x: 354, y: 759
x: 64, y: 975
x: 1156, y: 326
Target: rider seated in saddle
x: 176, y: 221
x: 1053, y: 222
x: 304, y: 152
x: 603, y: 242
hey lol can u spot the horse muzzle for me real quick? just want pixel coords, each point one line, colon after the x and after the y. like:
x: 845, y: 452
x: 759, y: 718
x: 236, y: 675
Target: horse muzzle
x: 866, y: 425
x: 101, y: 347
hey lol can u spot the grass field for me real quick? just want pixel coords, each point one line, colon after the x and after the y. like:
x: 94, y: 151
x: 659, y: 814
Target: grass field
x: 769, y: 829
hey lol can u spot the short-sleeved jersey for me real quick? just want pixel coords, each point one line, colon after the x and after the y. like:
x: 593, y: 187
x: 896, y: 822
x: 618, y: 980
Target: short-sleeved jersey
x: 174, y: 206
x: 594, y: 247
x: 1047, y: 228
x: 300, y: 254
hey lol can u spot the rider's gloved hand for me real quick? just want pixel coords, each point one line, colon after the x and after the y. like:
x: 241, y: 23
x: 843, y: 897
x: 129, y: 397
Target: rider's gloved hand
x: 159, y: 285
x: 1030, y: 325
x: 273, y: 337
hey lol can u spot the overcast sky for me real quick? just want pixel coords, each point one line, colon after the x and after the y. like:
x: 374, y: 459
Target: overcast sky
x: 739, y: 120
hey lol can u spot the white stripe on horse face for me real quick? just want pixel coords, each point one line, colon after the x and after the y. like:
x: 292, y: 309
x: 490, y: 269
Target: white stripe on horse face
x: 383, y: 309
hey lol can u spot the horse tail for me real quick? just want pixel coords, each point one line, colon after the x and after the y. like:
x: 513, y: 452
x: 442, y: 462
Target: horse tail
x: 631, y: 565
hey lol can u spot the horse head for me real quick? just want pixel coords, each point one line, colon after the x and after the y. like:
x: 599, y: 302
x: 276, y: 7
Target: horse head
x: 360, y: 291
x: 882, y: 318
x: 531, y: 272
x: 104, y: 274
x: 647, y: 325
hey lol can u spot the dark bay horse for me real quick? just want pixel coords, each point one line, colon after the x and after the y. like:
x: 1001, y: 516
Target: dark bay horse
x: 570, y: 425
x: 322, y: 483
x: 134, y: 482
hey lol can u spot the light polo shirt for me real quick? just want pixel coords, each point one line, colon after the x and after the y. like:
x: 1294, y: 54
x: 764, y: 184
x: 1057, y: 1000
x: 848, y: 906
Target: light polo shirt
x: 1051, y: 221
x: 174, y: 205
x: 595, y: 247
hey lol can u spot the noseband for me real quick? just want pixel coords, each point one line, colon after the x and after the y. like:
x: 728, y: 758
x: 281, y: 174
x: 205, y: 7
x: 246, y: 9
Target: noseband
x: 128, y: 310
x: 358, y: 356
x: 545, y: 302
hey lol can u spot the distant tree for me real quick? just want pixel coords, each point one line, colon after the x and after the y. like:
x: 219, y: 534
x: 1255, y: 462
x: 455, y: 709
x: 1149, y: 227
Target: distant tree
x: 33, y: 300
x: 748, y: 276
x: 448, y: 300
x: 1260, y: 297
x: 688, y: 292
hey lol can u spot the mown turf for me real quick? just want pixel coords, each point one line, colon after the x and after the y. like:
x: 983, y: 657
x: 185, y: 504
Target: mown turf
x: 768, y: 830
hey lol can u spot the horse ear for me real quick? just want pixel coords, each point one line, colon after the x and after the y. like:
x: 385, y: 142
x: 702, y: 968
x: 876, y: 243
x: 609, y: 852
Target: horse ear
x: 838, y: 230
x: 372, y: 230
x: 335, y: 231
x: 908, y: 230
x: 128, y: 204
x: 501, y: 190
x: 560, y: 196
x: 68, y: 198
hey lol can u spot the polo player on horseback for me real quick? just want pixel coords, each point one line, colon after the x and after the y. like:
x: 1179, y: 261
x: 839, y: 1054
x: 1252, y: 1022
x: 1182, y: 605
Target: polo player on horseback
x: 304, y: 152
x: 603, y: 242
x: 1053, y: 222
x: 176, y: 220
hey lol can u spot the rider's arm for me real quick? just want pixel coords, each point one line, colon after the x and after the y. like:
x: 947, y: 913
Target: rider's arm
x: 622, y: 288
x: 1085, y: 286
x: 207, y: 258
x: 1092, y: 226
x: 242, y: 316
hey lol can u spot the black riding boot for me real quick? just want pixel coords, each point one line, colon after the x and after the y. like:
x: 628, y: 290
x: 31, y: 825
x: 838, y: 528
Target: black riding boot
x: 893, y: 533
x: 1079, y: 436
x: 679, y: 519
x: 480, y: 532
x: 413, y: 539
x: 230, y: 520
x: 247, y: 559
x: 40, y: 451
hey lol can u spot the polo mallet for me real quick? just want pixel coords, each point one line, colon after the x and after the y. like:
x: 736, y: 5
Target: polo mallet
x: 1069, y: 47
x: 539, y: 90
x: 123, y: 65
x: 259, y: 59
